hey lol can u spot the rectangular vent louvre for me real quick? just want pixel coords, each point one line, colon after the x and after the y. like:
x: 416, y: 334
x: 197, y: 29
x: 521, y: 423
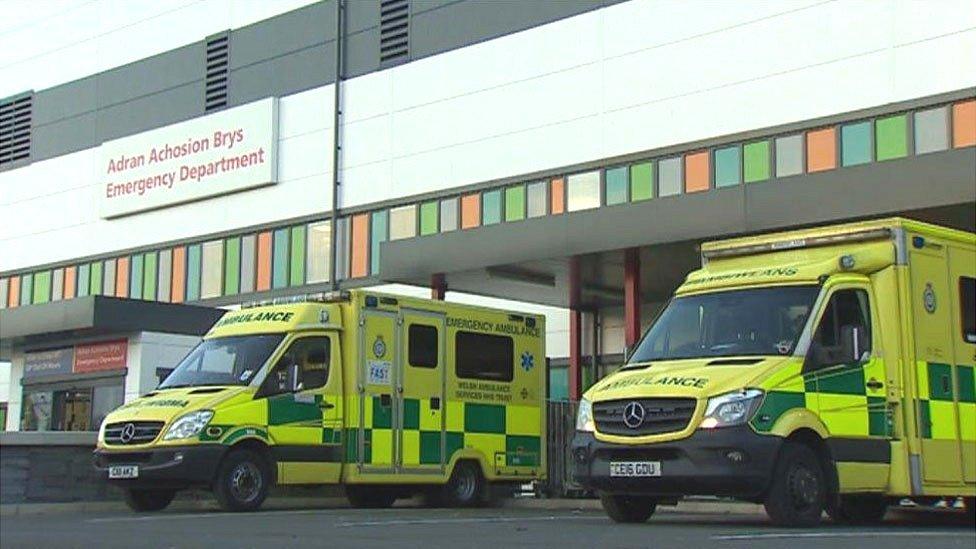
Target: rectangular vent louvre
x: 394, y: 30
x: 218, y: 65
x: 15, y: 129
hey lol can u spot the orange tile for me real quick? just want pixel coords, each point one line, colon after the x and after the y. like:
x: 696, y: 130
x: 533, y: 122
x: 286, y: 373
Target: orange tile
x: 557, y: 196
x: 359, y: 255
x: 696, y: 172
x: 122, y: 277
x: 470, y: 211
x: 821, y: 150
x: 264, y: 262
x: 178, y: 282
x: 13, y: 292
x: 70, y: 276
x: 964, y: 124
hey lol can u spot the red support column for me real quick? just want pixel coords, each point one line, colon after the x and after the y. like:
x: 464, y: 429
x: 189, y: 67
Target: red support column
x: 632, y: 315
x: 438, y: 286
x: 575, y: 332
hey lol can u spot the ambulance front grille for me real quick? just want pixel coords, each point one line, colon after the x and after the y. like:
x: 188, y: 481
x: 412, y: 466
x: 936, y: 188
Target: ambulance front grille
x: 141, y: 432
x: 644, y: 416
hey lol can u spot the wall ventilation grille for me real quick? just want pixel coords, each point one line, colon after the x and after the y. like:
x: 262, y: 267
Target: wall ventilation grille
x: 394, y: 30
x: 15, y: 129
x: 218, y: 74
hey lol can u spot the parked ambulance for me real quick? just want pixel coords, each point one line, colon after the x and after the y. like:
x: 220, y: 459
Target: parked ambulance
x: 821, y: 369
x: 387, y: 395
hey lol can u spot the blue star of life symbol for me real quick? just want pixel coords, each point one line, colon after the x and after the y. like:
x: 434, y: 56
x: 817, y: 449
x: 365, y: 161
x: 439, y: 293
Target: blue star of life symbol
x: 528, y: 361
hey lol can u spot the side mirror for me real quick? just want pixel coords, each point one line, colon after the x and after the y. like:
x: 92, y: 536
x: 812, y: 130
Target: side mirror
x: 313, y: 379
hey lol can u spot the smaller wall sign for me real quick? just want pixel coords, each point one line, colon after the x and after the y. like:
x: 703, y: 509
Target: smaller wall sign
x: 48, y: 363
x: 101, y: 356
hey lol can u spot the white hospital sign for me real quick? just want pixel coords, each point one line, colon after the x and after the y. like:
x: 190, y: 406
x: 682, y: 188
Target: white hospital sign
x: 226, y: 152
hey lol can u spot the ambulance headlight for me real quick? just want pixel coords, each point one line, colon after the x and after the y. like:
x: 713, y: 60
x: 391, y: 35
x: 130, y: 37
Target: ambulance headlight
x: 731, y: 409
x: 584, y: 417
x: 189, y: 425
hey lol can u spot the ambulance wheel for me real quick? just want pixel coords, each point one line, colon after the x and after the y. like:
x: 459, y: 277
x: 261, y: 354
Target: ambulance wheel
x: 242, y: 481
x: 798, y: 490
x: 628, y: 508
x: 859, y: 509
x: 370, y: 497
x: 465, y: 487
x: 148, y: 500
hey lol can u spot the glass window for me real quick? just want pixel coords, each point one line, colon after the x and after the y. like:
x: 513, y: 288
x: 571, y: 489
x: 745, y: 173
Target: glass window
x: 422, y: 347
x: 317, y: 261
x: 491, y: 204
x: 967, y: 303
x: 536, y: 199
x: 312, y: 355
x: 484, y: 356
x: 583, y: 190
x: 223, y: 361
x: 670, y: 177
x: 847, y: 309
x: 618, y: 186
x: 728, y: 165
x: 964, y: 124
x: 764, y: 321
x: 135, y: 276
x: 36, y: 411
x: 213, y: 269
x: 403, y: 222
x: 449, y: 215
x: 855, y: 144
x: 377, y: 236
x: 108, y: 280
x: 756, y: 160
x: 697, y: 176
x: 932, y: 130
x: 106, y: 399
x: 891, y: 134
x: 789, y: 155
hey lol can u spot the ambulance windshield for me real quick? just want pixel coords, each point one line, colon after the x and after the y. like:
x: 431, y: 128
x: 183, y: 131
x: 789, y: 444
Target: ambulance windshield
x: 223, y: 361
x: 760, y: 321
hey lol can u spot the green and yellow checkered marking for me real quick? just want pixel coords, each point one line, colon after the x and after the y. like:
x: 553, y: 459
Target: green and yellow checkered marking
x: 938, y: 403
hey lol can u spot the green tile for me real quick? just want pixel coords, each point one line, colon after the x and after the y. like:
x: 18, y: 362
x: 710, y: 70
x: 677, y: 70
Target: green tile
x: 484, y: 418
x: 940, y: 381
x: 515, y: 203
x: 430, y: 447
x: 892, y: 137
x: 95, y: 280
x: 491, y: 207
x: 642, y: 181
x: 193, y: 272
x: 232, y: 266
x: 84, y: 274
x: 411, y: 414
x: 618, y: 185
x: 728, y: 164
x: 135, y: 276
x: 297, y: 271
x: 429, y: 222
x: 756, y: 161
x: 149, y: 270
x: 966, y: 381
x: 280, y: 259
x: 855, y: 144
x: 26, y: 289
x: 377, y: 235
x: 42, y: 287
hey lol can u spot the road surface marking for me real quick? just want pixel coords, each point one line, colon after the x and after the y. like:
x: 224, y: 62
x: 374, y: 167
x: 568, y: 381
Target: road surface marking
x: 801, y: 535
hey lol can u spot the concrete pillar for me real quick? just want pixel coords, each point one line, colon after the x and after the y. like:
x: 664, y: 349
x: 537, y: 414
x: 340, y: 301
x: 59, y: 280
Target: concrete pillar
x: 632, y: 312
x: 438, y: 286
x: 575, y: 332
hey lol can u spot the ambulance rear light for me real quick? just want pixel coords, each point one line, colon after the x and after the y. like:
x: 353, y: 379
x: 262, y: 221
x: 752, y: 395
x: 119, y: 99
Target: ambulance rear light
x: 797, y: 243
x: 339, y: 296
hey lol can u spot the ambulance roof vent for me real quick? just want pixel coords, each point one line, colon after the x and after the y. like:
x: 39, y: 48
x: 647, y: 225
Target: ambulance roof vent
x: 15, y: 128
x: 217, y: 77
x: 339, y: 296
x: 796, y: 243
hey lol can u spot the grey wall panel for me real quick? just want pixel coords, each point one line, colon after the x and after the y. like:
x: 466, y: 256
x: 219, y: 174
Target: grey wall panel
x: 292, y: 73
x: 291, y: 32
x: 148, y: 112
x: 64, y: 136
x: 65, y: 101
x: 151, y: 75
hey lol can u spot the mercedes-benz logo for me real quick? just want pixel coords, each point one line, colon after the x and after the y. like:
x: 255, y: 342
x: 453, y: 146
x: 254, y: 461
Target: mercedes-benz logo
x: 633, y: 415
x: 127, y: 433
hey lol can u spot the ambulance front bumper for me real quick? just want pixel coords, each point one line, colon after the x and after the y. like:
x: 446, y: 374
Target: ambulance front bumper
x: 734, y: 461
x: 170, y: 467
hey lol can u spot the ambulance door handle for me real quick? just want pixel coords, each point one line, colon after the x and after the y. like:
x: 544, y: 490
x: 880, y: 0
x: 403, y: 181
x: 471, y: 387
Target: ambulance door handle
x: 874, y: 384
x: 326, y: 405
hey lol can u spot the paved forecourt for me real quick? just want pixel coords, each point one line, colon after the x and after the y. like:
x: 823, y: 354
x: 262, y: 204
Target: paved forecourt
x: 490, y: 528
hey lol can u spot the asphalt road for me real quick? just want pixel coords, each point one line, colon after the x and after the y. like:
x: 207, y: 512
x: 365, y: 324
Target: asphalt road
x: 494, y: 528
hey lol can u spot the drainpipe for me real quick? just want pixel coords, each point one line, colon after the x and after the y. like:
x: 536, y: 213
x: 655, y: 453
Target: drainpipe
x: 336, y: 145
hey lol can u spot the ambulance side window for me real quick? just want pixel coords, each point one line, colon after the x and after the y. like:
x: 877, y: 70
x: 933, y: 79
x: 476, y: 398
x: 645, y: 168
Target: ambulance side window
x: 484, y: 356
x: 847, y: 313
x: 312, y: 356
x: 422, y: 346
x: 967, y: 307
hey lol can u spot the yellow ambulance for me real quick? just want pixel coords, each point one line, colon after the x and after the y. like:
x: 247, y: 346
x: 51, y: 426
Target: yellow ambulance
x: 820, y: 369
x: 387, y: 395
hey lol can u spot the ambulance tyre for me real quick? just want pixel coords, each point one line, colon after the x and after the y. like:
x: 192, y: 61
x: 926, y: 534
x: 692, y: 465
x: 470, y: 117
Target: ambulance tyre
x: 466, y: 486
x: 148, y: 500
x: 626, y: 509
x: 242, y: 482
x: 797, y: 493
x: 859, y: 509
x: 370, y: 497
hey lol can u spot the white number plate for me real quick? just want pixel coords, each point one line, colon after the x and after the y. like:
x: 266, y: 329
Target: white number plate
x: 635, y: 468
x: 123, y: 471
